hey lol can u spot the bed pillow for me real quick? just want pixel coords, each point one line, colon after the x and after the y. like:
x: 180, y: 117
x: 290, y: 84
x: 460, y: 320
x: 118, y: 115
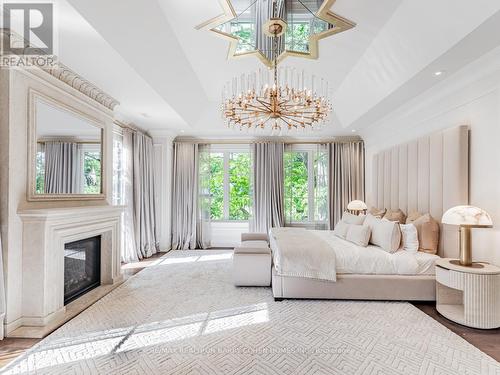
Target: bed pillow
x: 377, y: 212
x: 412, y: 216
x: 409, y: 238
x: 428, y: 233
x: 349, y: 218
x: 395, y: 215
x: 341, y: 229
x: 386, y: 234
x: 370, y: 221
x: 359, y: 235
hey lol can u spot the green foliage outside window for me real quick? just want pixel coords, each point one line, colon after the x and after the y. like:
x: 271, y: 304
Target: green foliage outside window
x: 92, y: 172
x: 217, y: 186
x: 240, y: 199
x: 296, y: 186
x: 40, y: 172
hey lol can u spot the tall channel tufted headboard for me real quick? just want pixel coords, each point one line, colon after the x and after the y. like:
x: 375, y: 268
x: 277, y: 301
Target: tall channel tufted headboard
x: 428, y: 175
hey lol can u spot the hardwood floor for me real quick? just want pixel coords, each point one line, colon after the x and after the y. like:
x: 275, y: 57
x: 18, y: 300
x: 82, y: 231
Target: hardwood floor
x: 487, y: 341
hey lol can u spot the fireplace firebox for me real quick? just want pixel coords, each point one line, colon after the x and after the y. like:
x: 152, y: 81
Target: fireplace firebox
x: 82, y: 267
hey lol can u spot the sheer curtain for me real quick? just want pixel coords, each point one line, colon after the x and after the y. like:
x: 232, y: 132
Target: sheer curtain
x: 63, y: 168
x: 268, y: 187
x: 129, y: 253
x: 347, y: 176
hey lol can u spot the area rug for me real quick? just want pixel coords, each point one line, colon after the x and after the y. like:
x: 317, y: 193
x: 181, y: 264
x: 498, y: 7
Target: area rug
x: 184, y: 316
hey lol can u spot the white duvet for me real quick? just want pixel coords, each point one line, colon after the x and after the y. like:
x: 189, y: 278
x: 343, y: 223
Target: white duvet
x: 353, y: 259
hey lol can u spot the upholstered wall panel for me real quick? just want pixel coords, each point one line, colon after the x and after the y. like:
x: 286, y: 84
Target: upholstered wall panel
x: 403, y: 177
x: 428, y: 175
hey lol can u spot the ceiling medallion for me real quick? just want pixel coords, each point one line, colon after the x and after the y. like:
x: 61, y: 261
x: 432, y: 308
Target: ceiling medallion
x: 246, y: 24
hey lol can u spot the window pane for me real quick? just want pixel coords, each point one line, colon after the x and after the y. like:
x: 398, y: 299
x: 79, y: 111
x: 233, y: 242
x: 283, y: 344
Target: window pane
x: 239, y: 186
x: 217, y: 186
x: 296, y: 186
x: 92, y: 172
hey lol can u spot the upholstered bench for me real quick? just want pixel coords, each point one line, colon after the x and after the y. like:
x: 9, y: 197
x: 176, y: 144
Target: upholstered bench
x: 252, y: 261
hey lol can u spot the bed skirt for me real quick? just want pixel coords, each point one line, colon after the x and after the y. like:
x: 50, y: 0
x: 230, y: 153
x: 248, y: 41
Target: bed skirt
x: 357, y: 287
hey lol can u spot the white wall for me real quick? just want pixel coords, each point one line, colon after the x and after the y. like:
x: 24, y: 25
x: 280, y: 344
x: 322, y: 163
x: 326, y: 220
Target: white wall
x: 470, y: 97
x: 163, y: 154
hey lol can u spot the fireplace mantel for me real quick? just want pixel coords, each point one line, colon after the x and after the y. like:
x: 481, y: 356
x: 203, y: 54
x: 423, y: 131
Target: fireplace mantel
x: 45, y: 231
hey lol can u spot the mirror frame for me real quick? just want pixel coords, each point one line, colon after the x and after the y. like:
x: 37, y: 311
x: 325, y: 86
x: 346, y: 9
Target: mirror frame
x: 34, y: 97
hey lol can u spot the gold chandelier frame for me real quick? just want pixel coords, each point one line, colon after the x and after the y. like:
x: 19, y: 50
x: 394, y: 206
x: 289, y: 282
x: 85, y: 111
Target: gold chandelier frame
x: 340, y: 24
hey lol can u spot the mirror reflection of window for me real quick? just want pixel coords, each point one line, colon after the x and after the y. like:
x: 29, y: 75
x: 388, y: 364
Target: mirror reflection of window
x: 68, y: 152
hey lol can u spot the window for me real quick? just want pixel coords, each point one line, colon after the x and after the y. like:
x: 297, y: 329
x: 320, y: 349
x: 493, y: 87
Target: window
x: 230, y: 183
x: 306, y: 184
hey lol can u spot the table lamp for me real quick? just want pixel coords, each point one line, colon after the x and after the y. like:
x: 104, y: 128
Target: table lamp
x: 357, y: 205
x: 467, y: 217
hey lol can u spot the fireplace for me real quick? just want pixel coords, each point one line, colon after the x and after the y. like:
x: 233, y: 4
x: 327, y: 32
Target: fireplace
x: 82, y: 267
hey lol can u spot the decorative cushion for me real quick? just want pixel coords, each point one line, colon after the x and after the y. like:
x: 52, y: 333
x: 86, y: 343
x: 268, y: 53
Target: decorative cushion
x: 409, y: 238
x: 349, y: 218
x: 412, y: 216
x: 428, y: 233
x: 359, y: 235
x: 370, y: 221
x: 395, y: 215
x: 341, y: 229
x: 377, y: 212
x: 386, y: 234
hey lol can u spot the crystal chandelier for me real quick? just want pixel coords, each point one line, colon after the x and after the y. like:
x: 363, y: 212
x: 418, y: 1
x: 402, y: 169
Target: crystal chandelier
x: 279, y: 100
x: 282, y: 102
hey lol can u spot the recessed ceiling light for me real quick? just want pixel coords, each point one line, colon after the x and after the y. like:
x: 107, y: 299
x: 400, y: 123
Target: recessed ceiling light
x: 145, y: 115
x: 182, y: 131
x: 353, y: 130
x: 438, y: 73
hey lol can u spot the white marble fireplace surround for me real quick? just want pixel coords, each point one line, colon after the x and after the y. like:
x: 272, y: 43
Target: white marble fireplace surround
x: 45, y: 232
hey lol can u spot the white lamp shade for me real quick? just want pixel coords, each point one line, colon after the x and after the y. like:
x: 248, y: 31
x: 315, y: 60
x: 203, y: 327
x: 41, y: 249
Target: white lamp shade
x: 357, y: 206
x: 467, y: 216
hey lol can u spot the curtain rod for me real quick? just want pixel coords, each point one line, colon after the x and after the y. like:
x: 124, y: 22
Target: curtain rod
x: 265, y: 140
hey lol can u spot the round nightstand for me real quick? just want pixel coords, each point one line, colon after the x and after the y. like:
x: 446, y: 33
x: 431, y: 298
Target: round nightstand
x: 468, y: 295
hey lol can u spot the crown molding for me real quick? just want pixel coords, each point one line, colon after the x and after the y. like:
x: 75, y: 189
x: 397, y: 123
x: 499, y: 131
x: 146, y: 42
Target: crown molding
x: 62, y: 73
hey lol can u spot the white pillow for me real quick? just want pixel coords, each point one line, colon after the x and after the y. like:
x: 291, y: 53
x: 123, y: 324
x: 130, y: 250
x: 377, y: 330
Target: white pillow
x: 386, y: 234
x: 341, y: 229
x: 349, y: 218
x: 370, y: 221
x: 409, y: 238
x: 359, y: 235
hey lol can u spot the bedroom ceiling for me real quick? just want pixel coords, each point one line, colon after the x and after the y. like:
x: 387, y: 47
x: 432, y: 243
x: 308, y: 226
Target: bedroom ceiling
x: 169, y: 76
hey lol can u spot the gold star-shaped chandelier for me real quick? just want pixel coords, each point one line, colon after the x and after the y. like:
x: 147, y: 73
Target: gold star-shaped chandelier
x: 250, y: 26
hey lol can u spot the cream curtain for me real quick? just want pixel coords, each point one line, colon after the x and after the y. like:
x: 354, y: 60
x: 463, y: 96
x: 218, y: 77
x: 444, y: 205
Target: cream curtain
x: 347, y: 177
x: 63, y: 168
x: 129, y: 253
x: 144, y: 196
x: 191, y: 197
x: 268, y: 187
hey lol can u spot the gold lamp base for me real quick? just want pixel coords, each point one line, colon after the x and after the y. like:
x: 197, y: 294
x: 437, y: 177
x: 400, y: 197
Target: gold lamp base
x: 466, y: 249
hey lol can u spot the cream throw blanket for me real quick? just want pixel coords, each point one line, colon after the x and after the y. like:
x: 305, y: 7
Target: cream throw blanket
x: 301, y: 253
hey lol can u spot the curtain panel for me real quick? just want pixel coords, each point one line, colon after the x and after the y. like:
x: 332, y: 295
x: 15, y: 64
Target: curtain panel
x: 63, y: 168
x: 129, y: 253
x: 144, y: 196
x: 268, y: 187
x: 347, y: 177
x: 191, y: 197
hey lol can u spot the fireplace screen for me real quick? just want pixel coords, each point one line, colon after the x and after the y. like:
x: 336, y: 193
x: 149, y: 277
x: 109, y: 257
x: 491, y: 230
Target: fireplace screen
x: 82, y: 267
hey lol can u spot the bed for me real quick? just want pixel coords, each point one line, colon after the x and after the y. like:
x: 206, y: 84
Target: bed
x: 427, y: 175
x: 367, y: 273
